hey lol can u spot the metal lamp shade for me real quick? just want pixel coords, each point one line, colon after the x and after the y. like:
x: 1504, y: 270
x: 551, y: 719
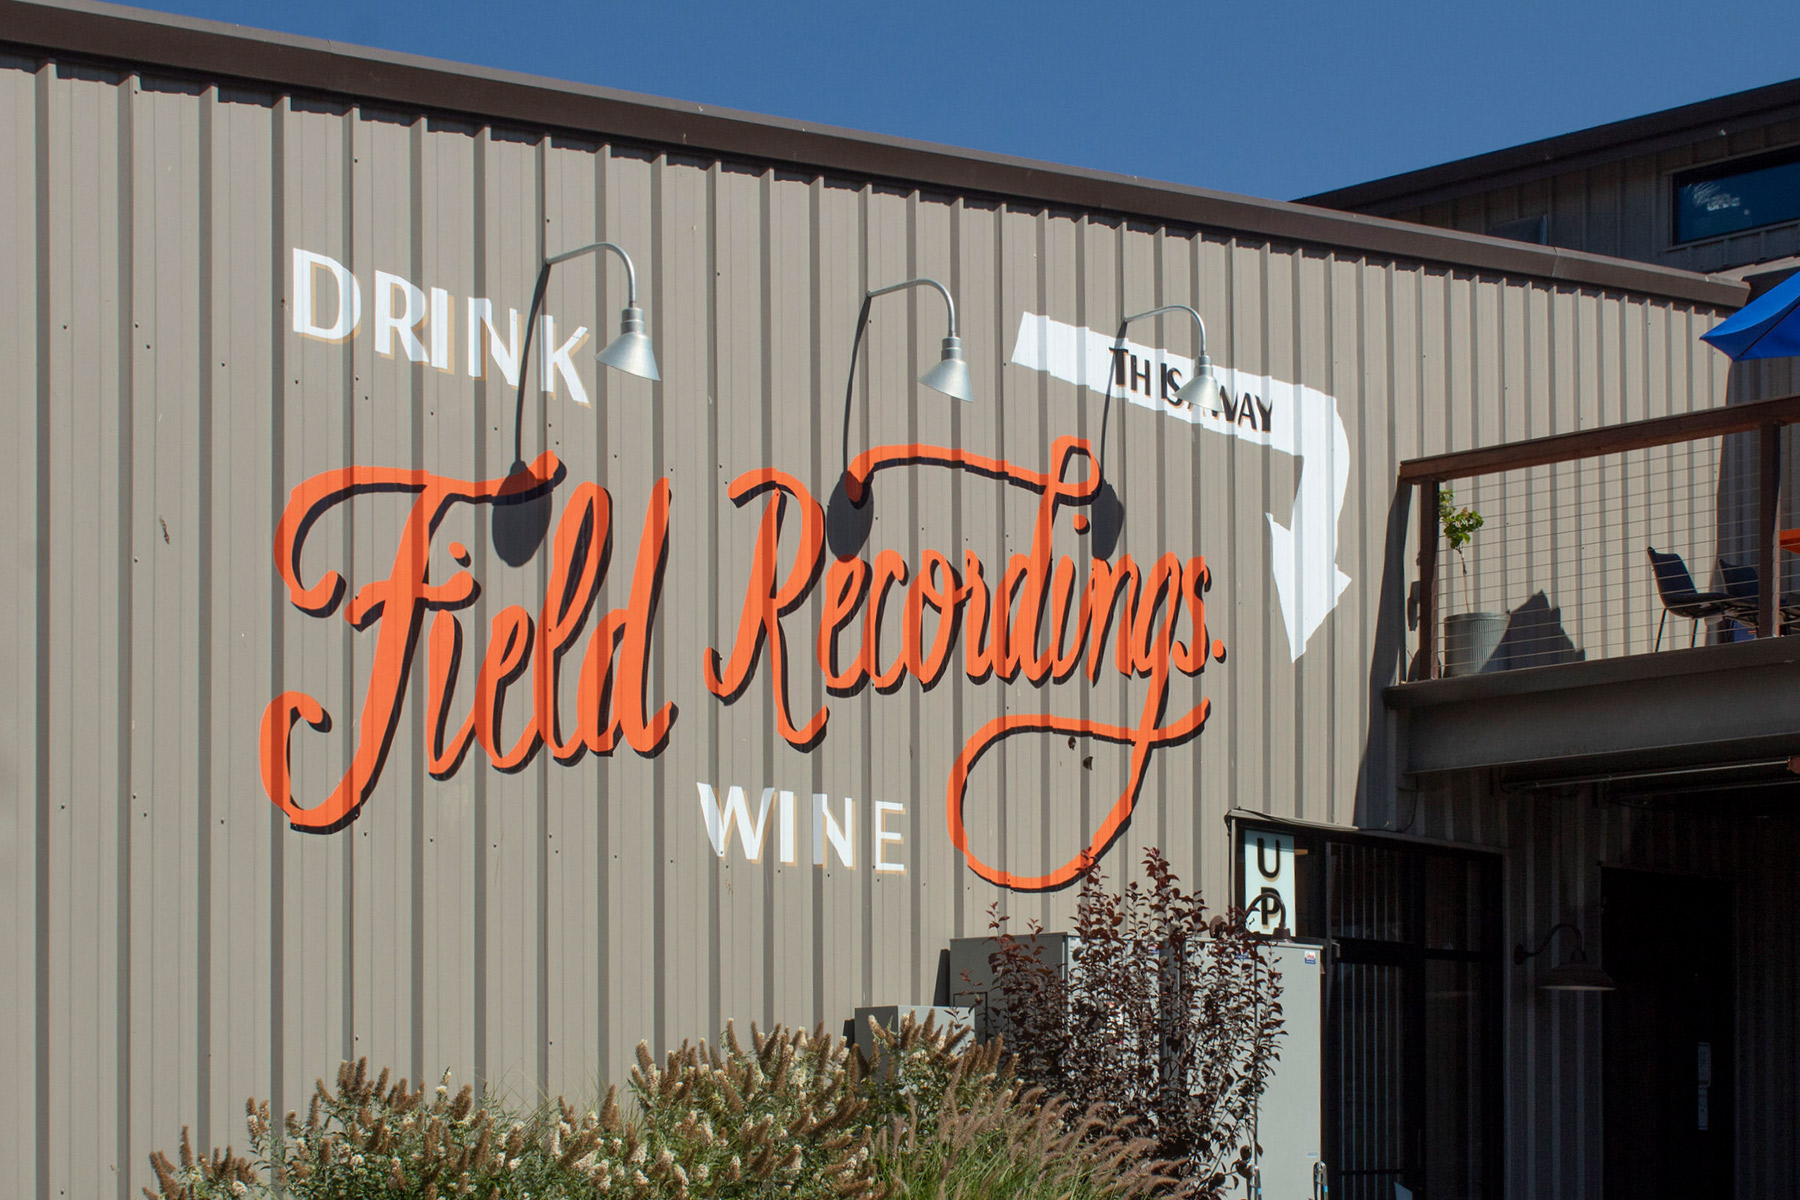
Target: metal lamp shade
x: 1578, y: 975
x: 1202, y: 391
x: 951, y: 375
x: 631, y: 352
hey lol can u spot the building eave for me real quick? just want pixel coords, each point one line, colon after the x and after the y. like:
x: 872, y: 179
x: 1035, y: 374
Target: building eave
x: 1720, y: 117
x: 142, y: 40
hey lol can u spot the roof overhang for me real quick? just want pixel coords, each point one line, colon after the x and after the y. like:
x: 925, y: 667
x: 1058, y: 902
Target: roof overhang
x: 139, y: 39
x: 1705, y: 120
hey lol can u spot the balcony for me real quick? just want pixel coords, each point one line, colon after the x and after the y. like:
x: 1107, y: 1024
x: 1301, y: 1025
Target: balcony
x: 1609, y: 612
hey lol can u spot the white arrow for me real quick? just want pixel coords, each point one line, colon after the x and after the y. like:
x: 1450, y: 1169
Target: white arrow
x: 1292, y: 419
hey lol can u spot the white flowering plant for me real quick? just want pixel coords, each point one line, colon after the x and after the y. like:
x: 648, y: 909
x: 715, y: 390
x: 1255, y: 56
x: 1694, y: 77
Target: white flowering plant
x: 790, y: 1114
x: 368, y: 1138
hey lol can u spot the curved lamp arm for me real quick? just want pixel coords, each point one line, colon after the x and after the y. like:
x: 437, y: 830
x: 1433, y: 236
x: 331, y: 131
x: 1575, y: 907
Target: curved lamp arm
x: 1520, y: 953
x: 630, y: 271
x: 633, y: 323
x: 1167, y: 308
x: 950, y: 376
x: 949, y: 303
x: 1202, y: 391
x: 521, y: 522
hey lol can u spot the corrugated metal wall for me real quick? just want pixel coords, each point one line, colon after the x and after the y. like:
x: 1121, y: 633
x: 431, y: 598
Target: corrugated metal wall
x: 1624, y: 208
x: 179, y: 947
x: 1556, y: 843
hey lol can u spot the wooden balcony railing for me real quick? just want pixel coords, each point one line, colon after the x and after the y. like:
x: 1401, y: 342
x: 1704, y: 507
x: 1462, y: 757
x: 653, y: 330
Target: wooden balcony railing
x: 1766, y: 419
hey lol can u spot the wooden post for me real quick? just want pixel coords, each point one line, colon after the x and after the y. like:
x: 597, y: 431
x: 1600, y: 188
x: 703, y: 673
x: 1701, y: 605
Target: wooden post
x: 1768, y: 508
x: 1428, y: 556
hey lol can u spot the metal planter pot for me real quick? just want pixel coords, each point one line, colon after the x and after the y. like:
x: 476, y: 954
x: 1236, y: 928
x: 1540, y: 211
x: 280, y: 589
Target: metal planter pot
x: 1471, y: 642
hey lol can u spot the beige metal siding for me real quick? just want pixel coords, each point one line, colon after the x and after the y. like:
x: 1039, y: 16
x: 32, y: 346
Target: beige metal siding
x: 183, y: 948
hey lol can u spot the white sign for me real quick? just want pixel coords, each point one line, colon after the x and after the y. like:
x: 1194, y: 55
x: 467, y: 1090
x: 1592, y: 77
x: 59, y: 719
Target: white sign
x: 1285, y: 417
x: 732, y: 816
x: 1269, y: 881
x: 420, y: 324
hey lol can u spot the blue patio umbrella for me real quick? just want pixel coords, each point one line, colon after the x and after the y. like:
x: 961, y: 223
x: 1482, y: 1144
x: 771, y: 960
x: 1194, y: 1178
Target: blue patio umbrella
x: 1767, y: 327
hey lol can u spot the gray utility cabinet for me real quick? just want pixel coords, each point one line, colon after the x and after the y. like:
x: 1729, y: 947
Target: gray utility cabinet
x: 972, y: 980
x: 1290, y: 1120
x: 1289, y: 1117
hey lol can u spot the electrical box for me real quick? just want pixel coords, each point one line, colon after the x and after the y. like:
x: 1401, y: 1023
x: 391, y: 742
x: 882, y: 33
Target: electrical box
x: 972, y: 979
x: 1290, y: 1119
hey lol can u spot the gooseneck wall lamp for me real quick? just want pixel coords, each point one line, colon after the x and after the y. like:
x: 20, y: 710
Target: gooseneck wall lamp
x: 630, y: 352
x: 950, y: 376
x: 848, y: 515
x: 522, y: 512
x: 1202, y: 391
x: 1575, y: 974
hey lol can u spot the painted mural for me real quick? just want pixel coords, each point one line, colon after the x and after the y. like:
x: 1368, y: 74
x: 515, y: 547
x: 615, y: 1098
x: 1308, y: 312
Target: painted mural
x: 1041, y: 619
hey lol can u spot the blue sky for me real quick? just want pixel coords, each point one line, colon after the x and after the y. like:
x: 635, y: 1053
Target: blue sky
x: 1276, y: 98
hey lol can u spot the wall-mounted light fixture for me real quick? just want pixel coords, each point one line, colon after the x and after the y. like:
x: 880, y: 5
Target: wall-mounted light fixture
x: 522, y: 515
x: 1574, y: 974
x: 950, y: 376
x: 1202, y: 391
x: 847, y: 519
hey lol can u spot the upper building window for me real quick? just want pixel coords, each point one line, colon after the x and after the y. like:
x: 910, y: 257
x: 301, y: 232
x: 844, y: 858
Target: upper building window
x: 1730, y: 197
x: 1526, y: 229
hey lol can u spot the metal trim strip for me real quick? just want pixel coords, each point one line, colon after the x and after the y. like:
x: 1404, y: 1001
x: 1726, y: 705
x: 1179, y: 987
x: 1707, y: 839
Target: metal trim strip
x: 146, y: 39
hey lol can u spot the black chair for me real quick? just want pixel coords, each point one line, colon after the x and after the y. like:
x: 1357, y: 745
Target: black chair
x: 1743, y: 587
x: 1679, y: 596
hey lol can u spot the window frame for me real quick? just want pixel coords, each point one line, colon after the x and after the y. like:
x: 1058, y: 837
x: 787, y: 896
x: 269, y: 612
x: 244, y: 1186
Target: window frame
x: 1725, y: 168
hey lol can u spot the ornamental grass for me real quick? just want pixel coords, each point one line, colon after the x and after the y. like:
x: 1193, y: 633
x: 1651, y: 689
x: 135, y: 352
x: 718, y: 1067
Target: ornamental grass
x: 788, y: 1114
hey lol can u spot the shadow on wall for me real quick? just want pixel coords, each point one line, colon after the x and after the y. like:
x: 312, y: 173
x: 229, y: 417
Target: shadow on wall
x: 1531, y: 635
x: 1534, y: 637
x: 1388, y: 663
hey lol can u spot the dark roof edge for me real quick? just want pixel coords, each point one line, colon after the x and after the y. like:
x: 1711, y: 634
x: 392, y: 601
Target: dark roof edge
x: 86, y: 29
x: 1565, y: 152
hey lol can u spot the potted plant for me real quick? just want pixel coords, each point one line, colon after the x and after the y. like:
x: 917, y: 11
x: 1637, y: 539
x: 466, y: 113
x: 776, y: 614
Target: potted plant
x: 1470, y: 638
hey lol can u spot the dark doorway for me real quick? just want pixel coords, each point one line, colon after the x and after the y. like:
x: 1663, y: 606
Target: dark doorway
x: 1413, y: 1028
x: 1669, y: 1053
x: 1413, y: 1032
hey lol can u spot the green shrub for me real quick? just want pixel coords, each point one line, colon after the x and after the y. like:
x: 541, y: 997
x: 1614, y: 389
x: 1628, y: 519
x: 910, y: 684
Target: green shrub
x: 792, y: 1114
